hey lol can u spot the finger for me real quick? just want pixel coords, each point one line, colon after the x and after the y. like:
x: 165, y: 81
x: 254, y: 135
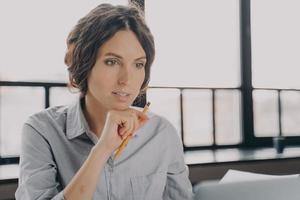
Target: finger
x: 130, y: 129
x: 121, y: 132
x: 128, y: 126
x: 122, y: 128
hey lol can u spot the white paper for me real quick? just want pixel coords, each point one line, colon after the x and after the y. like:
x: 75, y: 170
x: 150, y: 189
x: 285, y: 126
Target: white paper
x: 237, y: 176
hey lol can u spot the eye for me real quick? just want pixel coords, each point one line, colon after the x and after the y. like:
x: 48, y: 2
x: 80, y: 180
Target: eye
x: 111, y: 62
x: 140, y: 65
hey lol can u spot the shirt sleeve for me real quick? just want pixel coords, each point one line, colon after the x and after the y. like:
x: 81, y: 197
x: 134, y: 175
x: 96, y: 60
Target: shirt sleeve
x: 38, y: 171
x: 178, y: 185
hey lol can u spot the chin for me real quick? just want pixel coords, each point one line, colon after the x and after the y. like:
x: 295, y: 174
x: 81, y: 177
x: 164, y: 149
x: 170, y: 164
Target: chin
x: 121, y: 106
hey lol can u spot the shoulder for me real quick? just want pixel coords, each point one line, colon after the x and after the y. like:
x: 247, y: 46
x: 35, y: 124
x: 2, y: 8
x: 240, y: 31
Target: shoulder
x: 167, y: 134
x: 48, y: 119
x: 160, y: 125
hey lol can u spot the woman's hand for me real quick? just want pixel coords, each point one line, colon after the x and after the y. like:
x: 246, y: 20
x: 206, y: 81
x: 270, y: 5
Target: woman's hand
x: 118, y: 125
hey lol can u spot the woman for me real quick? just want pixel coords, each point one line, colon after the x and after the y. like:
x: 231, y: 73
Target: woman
x: 68, y: 151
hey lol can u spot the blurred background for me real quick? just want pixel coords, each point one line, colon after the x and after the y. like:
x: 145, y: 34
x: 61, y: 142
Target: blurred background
x: 226, y: 74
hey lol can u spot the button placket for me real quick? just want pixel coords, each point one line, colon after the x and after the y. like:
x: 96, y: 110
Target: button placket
x: 110, y: 170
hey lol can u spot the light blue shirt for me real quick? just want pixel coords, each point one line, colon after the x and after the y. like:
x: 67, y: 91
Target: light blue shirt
x: 56, y: 142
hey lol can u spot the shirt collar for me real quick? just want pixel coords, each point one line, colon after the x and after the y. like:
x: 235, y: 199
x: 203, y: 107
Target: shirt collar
x: 76, y: 122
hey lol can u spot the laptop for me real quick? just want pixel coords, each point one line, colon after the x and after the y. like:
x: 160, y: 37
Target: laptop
x: 269, y: 189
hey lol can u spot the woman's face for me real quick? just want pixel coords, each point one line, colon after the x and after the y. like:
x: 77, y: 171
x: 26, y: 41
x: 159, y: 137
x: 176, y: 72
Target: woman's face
x: 118, y: 74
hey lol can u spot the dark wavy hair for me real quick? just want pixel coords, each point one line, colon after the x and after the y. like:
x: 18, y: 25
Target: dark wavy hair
x: 97, y: 27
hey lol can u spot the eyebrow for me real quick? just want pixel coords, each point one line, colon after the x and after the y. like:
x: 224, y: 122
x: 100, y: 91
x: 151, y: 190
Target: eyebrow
x: 120, y: 57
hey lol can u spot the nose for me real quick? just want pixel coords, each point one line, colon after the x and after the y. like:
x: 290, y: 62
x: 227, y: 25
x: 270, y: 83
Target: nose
x: 124, y: 76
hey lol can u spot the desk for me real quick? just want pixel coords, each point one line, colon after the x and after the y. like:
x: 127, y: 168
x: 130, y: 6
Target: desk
x: 213, y: 164
x: 8, y: 181
x: 9, y: 172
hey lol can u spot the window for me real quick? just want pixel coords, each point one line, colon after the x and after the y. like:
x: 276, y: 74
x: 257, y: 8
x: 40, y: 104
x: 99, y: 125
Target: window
x: 275, y: 67
x: 197, y: 43
x: 169, y: 98
x: 33, y: 37
x: 265, y: 106
x: 275, y: 43
x: 290, y: 113
x: 16, y: 104
x: 66, y: 96
x: 198, y: 46
x: 225, y: 73
x: 32, y: 70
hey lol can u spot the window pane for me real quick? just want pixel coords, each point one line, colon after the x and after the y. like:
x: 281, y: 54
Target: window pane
x: 197, y: 42
x: 16, y: 105
x: 265, y: 108
x: 166, y: 102
x: 197, y: 112
x: 290, y: 101
x: 33, y: 37
x: 228, y: 117
x: 62, y: 96
x: 275, y: 44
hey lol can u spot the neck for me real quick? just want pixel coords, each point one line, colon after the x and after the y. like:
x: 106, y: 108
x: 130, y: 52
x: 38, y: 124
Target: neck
x: 95, y: 115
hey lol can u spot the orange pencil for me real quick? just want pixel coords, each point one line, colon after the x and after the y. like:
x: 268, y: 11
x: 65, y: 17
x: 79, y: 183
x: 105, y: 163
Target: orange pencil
x: 125, y: 142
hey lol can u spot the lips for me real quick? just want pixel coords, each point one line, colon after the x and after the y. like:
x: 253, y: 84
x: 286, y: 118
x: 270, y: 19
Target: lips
x: 121, y: 96
x: 121, y: 93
